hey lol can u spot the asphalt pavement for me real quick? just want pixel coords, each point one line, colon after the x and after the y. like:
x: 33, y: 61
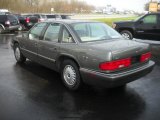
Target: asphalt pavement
x: 33, y: 92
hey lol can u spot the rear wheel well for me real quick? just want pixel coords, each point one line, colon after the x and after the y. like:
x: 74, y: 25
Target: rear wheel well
x: 62, y: 58
x: 2, y: 26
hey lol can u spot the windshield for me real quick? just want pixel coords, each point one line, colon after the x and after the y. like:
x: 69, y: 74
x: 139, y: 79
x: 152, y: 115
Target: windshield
x: 89, y: 32
x: 139, y: 18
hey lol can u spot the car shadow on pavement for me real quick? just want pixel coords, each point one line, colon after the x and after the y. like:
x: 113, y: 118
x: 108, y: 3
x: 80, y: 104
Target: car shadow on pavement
x: 44, y: 87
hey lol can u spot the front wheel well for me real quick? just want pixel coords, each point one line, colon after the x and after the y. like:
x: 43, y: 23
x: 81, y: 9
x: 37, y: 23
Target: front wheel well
x: 128, y: 29
x: 62, y: 58
x: 14, y: 43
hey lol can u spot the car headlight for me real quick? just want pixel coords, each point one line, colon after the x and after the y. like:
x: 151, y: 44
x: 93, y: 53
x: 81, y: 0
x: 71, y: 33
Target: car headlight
x: 114, y: 25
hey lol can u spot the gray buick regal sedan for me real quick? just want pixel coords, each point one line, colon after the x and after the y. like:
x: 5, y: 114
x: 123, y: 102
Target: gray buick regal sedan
x: 84, y: 52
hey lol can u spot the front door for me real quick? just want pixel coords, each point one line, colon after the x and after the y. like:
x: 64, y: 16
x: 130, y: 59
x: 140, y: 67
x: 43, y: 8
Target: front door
x: 30, y: 41
x: 147, y: 27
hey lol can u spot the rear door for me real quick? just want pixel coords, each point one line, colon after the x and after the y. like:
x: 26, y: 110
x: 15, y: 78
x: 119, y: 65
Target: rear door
x: 29, y: 44
x: 48, y: 47
x: 147, y: 27
x: 3, y: 19
x: 158, y: 27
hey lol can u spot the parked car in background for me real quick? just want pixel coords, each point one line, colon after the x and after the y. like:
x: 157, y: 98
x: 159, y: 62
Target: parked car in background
x: 8, y: 22
x: 145, y: 27
x: 4, y: 11
x: 65, y: 16
x: 51, y: 17
x: 26, y: 21
x: 41, y: 17
x: 84, y: 52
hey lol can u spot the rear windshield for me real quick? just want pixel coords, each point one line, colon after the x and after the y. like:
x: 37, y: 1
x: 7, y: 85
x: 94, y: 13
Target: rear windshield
x: 90, y: 31
x: 51, y: 16
x: 65, y: 17
x: 40, y: 16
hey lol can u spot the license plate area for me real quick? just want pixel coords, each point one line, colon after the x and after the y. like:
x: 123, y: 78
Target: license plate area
x: 135, y: 59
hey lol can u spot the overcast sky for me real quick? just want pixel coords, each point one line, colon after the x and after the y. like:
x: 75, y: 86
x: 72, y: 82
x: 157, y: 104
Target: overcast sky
x: 137, y: 5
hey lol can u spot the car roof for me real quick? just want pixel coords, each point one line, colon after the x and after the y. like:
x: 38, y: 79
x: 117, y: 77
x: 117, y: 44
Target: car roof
x: 158, y: 13
x: 69, y: 21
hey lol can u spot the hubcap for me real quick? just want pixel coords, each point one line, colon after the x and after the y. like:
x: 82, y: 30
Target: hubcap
x: 126, y: 36
x: 69, y: 75
x: 17, y: 53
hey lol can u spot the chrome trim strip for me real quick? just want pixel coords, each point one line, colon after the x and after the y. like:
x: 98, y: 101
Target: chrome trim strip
x: 53, y: 60
x: 29, y: 51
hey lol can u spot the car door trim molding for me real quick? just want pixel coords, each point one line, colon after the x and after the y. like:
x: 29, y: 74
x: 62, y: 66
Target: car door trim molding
x: 29, y: 51
x: 53, y: 60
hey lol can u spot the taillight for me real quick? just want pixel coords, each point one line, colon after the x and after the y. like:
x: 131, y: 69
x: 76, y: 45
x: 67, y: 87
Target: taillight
x: 145, y: 57
x: 27, y: 20
x: 7, y: 22
x: 114, y: 65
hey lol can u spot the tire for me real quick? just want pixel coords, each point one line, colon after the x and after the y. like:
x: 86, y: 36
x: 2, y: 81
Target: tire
x: 127, y: 34
x: 18, y: 55
x: 1, y: 30
x: 70, y: 75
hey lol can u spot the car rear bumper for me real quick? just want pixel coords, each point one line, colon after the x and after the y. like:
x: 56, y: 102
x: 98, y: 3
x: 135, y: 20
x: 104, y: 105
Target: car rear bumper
x: 115, y: 79
x: 12, y: 28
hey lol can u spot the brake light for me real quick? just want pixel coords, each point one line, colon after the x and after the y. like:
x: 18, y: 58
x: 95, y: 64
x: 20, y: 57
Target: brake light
x: 145, y: 57
x: 27, y: 20
x: 114, y: 65
x: 7, y: 22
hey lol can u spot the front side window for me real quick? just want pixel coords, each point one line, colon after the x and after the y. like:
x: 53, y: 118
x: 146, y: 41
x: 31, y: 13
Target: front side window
x: 52, y: 32
x: 89, y: 32
x: 36, y: 31
x: 150, y: 19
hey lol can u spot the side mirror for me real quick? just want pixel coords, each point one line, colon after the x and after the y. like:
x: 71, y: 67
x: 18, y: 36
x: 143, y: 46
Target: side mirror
x: 141, y: 22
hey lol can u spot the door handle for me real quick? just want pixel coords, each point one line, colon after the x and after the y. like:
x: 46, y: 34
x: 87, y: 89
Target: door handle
x: 55, y: 49
x: 154, y: 26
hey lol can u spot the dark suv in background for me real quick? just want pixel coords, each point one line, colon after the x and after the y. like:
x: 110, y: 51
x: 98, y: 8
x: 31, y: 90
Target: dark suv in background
x: 8, y: 22
x: 145, y: 27
x: 41, y: 17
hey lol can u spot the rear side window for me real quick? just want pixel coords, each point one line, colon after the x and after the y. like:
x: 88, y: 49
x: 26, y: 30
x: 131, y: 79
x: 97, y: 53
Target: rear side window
x: 52, y: 32
x: 150, y: 19
x: 3, y: 18
x: 36, y: 31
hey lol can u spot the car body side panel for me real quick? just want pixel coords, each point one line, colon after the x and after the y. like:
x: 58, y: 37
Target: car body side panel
x: 29, y: 48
